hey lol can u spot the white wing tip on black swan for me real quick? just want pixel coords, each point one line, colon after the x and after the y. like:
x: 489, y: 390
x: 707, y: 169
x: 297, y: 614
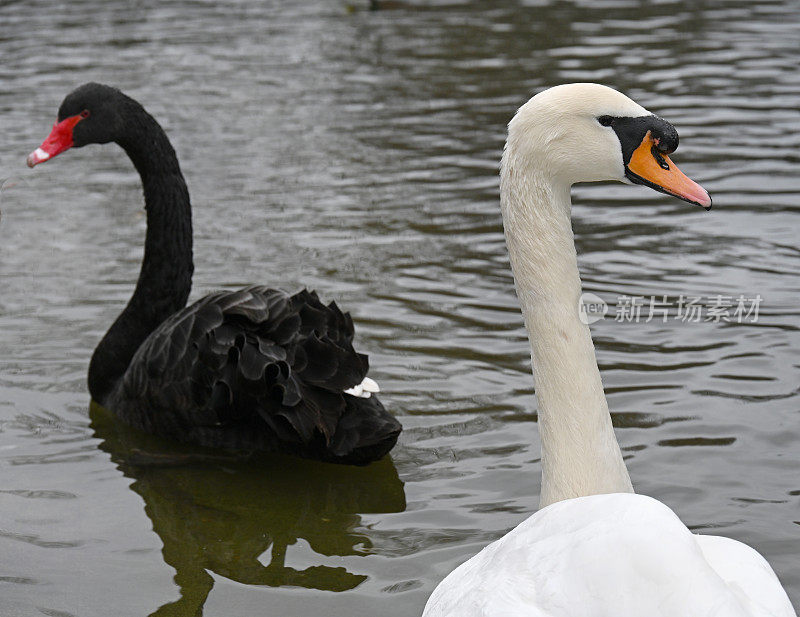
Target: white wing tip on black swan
x: 365, y: 389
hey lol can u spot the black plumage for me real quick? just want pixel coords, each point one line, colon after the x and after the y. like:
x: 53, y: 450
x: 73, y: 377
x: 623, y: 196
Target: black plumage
x: 252, y: 369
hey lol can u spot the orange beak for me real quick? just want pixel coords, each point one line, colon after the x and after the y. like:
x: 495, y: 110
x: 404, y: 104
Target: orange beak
x: 653, y: 168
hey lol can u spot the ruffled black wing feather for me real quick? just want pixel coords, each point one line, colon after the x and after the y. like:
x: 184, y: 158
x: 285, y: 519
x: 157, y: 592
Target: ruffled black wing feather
x: 257, y: 369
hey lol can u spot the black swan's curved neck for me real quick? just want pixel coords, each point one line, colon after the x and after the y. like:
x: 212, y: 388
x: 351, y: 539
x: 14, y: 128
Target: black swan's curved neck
x: 165, y: 279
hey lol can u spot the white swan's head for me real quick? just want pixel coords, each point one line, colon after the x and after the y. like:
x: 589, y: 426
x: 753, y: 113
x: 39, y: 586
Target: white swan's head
x: 588, y: 133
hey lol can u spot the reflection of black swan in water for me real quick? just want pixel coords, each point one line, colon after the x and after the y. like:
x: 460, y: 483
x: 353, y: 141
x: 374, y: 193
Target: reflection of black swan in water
x: 230, y: 518
x: 253, y: 369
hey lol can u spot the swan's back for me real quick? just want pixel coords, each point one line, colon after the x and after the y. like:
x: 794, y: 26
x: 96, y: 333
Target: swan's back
x: 617, y: 555
x: 257, y: 369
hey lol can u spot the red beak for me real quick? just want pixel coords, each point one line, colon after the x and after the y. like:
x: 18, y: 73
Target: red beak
x: 60, y: 139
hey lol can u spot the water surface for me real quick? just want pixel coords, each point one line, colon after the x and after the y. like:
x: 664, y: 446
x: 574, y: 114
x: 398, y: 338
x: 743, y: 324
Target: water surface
x: 356, y: 152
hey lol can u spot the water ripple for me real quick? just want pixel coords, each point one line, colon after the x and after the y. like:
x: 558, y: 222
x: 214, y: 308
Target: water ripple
x: 356, y: 152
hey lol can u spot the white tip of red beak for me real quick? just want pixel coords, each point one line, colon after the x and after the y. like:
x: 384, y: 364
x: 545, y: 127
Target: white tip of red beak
x: 37, y: 156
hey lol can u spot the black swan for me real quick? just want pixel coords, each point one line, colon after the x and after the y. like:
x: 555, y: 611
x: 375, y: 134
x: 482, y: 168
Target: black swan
x: 254, y: 369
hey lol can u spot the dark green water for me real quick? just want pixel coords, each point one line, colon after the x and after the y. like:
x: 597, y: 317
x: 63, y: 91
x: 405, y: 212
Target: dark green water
x: 356, y: 152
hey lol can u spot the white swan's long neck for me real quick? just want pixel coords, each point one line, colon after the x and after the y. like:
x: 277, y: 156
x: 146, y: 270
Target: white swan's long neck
x: 580, y: 453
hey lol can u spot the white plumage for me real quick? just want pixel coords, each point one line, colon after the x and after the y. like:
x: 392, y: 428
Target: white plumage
x: 365, y: 389
x: 615, y: 555
x: 595, y: 549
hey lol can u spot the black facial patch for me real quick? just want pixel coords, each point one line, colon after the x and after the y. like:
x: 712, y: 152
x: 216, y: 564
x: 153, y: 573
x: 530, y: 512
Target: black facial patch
x: 662, y: 162
x: 631, y: 132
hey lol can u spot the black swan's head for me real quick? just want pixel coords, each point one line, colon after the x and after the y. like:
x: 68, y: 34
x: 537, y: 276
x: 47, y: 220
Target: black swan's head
x: 91, y: 114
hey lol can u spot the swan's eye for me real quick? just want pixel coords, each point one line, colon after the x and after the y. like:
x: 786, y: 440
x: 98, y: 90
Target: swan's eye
x: 85, y: 113
x: 606, y: 120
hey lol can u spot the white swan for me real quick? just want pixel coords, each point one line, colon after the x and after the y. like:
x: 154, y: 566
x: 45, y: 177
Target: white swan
x: 595, y: 549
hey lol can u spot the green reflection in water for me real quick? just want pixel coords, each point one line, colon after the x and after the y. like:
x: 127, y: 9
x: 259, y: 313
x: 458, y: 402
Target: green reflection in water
x: 223, y: 513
